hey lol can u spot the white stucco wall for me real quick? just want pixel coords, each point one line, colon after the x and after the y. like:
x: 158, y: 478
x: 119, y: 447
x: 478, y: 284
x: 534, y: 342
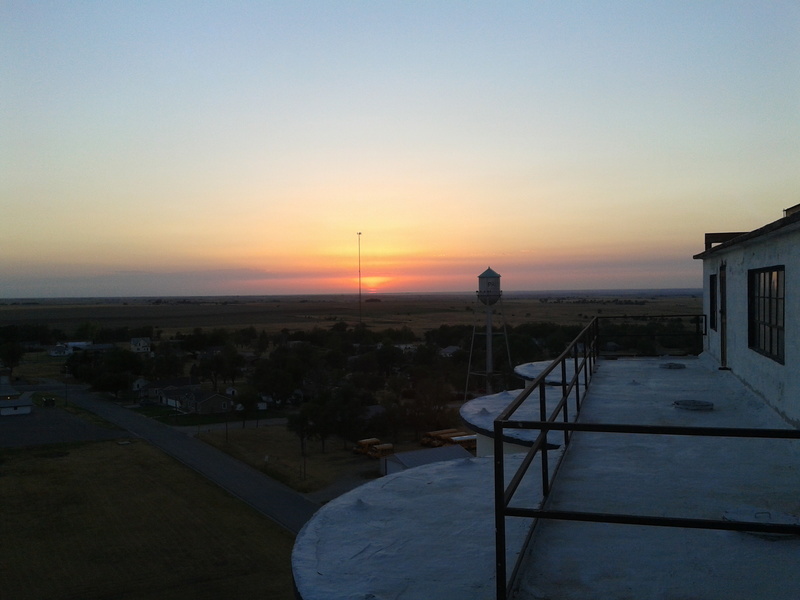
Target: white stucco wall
x: 778, y: 384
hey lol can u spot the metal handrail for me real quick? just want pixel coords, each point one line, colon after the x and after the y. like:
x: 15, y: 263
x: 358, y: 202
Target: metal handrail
x: 583, y: 351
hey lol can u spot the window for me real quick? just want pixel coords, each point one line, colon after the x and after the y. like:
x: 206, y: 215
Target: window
x: 766, y: 301
x: 712, y: 301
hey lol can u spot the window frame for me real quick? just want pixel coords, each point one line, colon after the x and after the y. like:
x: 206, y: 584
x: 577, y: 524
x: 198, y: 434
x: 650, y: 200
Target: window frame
x: 713, y: 304
x: 766, y: 311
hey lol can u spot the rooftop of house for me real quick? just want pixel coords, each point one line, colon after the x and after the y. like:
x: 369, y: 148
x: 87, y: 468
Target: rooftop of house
x: 429, y: 531
x: 724, y: 241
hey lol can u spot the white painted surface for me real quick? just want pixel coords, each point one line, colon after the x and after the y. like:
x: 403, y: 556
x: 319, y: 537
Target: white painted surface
x: 532, y: 370
x: 479, y: 415
x: 429, y: 532
x: 424, y: 533
x: 778, y: 384
x: 678, y: 476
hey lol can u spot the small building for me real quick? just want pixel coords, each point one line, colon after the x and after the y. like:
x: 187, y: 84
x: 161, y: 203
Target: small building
x: 155, y: 389
x: 177, y: 398
x: 207, y: 403
x: 751, y: 286
x: 140, y: 345
x: 7, y: 391
x: 416, y: 458
x: 59, y: 350
x: 139, y: 385
x: 20, y: 405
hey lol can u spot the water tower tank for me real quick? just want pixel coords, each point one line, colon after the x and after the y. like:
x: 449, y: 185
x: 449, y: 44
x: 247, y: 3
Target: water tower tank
x: 489, y: 287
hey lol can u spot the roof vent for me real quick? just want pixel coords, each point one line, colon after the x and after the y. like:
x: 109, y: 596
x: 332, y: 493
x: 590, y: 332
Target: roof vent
x: 753, y: 515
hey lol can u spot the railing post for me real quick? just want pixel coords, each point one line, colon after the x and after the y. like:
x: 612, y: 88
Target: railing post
x: 577, y: 378
x: 543, y: 417
x: 499, y: 512
x: 564, y: 395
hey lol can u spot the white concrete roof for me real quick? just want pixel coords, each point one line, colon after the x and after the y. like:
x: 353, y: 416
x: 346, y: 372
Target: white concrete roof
x: 678, y: 476
x: 428, y: 532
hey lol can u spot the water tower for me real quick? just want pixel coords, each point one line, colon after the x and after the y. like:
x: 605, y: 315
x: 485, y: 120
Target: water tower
x: 488, y: 294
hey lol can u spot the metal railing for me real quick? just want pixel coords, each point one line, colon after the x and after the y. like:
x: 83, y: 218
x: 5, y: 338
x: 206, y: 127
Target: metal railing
x: 646, y: 334
x: 583, y: 352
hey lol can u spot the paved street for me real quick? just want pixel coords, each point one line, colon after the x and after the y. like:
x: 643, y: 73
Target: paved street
x: 280, y: 503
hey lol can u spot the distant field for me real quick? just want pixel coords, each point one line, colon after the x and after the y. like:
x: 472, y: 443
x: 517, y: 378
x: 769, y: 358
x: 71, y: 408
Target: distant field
x: 102, y: 520
x: 418, y: 312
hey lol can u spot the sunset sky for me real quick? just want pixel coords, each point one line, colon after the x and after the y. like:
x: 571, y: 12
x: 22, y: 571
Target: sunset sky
x: 180, y: 148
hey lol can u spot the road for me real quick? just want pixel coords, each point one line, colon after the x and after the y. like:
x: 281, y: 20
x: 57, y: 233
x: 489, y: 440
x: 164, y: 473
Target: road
x: 276, y: 501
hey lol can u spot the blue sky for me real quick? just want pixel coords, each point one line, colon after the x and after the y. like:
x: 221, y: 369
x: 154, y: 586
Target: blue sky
x: 157, y: 148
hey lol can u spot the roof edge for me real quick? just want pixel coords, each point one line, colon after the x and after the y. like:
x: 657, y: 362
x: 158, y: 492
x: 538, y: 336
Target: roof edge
x: 786, y: 221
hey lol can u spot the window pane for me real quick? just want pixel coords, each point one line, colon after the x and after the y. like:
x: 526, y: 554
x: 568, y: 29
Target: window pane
x: 766, y: 307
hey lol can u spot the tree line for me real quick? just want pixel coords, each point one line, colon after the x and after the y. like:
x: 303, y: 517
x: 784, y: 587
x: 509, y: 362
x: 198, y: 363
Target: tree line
x: 333, y: 378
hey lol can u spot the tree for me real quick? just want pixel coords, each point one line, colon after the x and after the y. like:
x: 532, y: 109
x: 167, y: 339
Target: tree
x: 320, y: 419
x: 165, y: 363
x: 11, y: 354
x: 249, y: 402
x: 298, y: 423
x: 232, y: 363
x: 212, y: 368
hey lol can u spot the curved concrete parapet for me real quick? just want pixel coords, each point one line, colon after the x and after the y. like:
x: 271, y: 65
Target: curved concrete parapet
x: 530, y: 371
x: 479, y: 415
x: 427, y: 532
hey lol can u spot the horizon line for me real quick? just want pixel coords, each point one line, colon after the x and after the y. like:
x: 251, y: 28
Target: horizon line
x: 355, y: 294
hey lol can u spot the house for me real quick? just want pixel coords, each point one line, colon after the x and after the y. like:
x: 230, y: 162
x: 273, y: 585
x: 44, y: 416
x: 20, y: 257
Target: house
x: 449, y: 351
x: 78, y: 345
x: 139, y: 385
x: 59, y: 350
x: 7, y: 391
x: 207, y: 403
x: 21, y: 405
x: 751, y: 286
x: 155, y: 389
x: 178, y: 398
x: 140, y: 345
x: 11, y: 401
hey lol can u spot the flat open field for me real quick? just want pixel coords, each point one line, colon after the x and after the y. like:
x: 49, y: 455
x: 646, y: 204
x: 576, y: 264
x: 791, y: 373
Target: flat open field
x: 109, y: 520
x: 276, y: 451
x: 420, y: 312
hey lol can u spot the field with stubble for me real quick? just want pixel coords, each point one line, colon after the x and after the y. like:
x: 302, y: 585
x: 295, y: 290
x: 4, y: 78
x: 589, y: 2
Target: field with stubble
x: 110, y: 520
x: 419, y: 312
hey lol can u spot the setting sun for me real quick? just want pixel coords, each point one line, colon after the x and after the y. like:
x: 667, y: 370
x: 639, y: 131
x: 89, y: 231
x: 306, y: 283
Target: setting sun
x: 239, y: 149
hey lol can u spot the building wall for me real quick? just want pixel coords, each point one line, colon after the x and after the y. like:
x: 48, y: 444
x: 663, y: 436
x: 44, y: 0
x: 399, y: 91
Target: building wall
x: 779, y: 384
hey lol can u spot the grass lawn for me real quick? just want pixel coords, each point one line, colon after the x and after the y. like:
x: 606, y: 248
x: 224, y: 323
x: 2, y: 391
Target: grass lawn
x: 125, y: 521
x: 38, y: 365
x: 276, y: 451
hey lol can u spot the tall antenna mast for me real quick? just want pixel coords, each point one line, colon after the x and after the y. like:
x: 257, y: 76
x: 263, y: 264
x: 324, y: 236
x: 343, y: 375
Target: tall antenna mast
x: 359, y: 277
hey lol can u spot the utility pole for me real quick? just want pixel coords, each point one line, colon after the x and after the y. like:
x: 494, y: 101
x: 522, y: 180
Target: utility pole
x: 359, y: 277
